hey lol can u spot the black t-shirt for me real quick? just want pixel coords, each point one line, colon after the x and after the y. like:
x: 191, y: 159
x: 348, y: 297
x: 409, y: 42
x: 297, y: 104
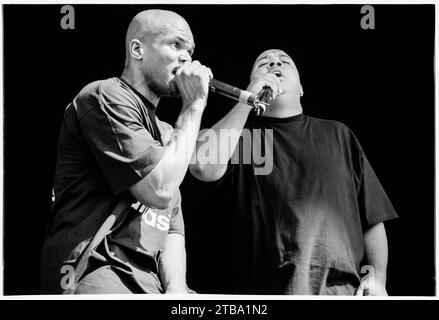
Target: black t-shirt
x: 109, y: 140
x: 301, y: 205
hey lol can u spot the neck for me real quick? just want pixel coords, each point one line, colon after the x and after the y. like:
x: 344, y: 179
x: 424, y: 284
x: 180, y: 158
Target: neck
x: 138, y: 82
x: 283, y: 108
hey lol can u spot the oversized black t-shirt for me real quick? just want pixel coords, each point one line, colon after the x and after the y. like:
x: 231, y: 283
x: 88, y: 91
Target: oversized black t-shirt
x: 300, y: 206
x: 109, y: 140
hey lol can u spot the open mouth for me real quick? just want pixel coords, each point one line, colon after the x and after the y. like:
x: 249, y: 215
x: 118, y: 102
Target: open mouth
x: 277, y: 73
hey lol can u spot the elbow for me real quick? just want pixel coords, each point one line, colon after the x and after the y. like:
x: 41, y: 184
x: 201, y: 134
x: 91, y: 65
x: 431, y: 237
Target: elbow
x: 158, y: 199
x: 197, y: 171
x: 150, y: 191
x: 207, y: 173
x: 161, y: 199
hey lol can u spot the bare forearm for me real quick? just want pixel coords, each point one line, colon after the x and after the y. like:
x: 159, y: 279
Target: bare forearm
x: 375, y: 241
x: 158, y: 188
x: 226, y: 133
x: 173, y: 265
x: 220, y: 141
x: 178, y: 151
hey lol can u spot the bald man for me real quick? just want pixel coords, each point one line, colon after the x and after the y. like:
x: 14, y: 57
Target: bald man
x: 306, y: 225
x: 117, y: 159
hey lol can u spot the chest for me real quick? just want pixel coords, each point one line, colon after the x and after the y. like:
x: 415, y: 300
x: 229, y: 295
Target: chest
x: 302, y: 161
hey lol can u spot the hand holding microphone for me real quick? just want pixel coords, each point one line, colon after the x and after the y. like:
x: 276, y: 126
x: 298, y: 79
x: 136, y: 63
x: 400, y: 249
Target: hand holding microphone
x: 238, y: 94
x: 192, y: 79
x: 267, y: 86
x: 258, y: 95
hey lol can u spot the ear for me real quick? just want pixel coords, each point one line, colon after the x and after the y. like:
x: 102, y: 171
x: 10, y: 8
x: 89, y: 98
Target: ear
x: 301, y: 90
x: 136, y: 50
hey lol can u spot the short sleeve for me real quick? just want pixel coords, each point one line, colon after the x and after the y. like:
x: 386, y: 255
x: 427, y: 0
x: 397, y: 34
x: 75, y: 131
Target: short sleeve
x: 373, y: 201
x: 120, y: 142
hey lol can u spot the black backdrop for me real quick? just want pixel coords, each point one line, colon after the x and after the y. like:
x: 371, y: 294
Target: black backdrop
x: 378, y: 82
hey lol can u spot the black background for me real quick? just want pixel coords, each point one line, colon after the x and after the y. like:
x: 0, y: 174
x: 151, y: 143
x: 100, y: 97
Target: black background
x: 378, y: 82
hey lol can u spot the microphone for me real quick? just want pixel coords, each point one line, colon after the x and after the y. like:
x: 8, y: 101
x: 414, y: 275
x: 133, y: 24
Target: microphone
x: 243, y: 96
x: 265, y: 95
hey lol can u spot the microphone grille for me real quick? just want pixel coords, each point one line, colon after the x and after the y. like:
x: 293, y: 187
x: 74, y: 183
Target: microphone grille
x: 265, y: 95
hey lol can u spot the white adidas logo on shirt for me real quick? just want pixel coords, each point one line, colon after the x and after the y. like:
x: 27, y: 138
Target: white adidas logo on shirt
x: 152, y: 218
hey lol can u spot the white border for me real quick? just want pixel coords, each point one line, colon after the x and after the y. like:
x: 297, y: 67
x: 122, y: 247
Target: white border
x: 208, y: 296
x: 1, y: 157
x: 231, y: 2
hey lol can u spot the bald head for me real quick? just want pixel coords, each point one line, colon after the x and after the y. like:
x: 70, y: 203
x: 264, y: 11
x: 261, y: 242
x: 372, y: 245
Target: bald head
x: 152, y: 22
x: 158, y: 43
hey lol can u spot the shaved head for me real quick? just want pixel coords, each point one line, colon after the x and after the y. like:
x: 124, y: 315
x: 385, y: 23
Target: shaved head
x: 152, y: 22
x: 278, y: 51
x: 157, y: 44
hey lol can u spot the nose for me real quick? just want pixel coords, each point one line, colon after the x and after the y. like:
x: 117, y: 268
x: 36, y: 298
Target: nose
x: 274, y: 63
x: 184, y: 57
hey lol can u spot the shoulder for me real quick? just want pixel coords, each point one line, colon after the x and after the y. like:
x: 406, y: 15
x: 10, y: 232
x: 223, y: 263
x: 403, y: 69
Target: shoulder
x: 114, y: 91
x: 95, y: 88
x: 330, y: 125
x: 335, y: 131
x: 103, y: 93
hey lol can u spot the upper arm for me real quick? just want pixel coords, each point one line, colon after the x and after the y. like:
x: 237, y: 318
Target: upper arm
x: 375, y: 235
x: 376, y: 248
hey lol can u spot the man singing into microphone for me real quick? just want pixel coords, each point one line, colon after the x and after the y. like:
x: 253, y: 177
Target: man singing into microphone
x: 115, y: 155
x: 306, y: 226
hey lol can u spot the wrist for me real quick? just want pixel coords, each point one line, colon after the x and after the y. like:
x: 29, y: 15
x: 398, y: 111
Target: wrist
x: 195, y: 106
